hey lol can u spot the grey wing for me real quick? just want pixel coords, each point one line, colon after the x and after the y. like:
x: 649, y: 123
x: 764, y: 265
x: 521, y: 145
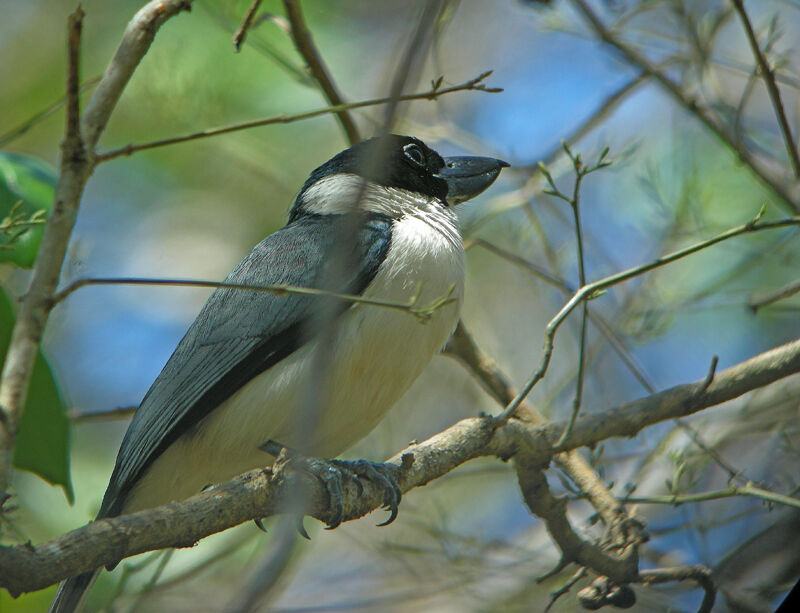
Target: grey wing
x: 239, y: 334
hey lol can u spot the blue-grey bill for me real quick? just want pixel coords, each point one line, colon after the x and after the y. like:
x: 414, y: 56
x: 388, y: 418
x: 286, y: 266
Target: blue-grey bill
x: 468, y: 176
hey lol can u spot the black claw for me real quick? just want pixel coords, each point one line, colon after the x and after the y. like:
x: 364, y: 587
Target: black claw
x: 381, y: 474
x: 392, y: 516
x: 260, y: 525
x: 301, y: 529
x: 331, y: 474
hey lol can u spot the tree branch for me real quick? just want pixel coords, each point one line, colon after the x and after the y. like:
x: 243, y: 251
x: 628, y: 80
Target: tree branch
x: 463, y: 348
x: 591, y: 290
x: 422, y: 312
x: 136, y: 41
x: 746, y: 490
x: 699, y: 574
x: 34, y: 309
x: 772, y: 87
x: 432, y: 94
x: 629, y: 419
x: 787, y: 190
x: 261, y: 493
x: 241, y: 34
x: 304, y: 43
x: 75, y: 168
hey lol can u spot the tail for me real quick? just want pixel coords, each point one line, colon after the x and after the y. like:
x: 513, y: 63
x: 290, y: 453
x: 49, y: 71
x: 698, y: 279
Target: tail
x: 73, y: 592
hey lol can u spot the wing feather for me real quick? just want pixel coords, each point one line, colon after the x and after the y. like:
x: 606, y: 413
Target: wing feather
x: 239, y: 334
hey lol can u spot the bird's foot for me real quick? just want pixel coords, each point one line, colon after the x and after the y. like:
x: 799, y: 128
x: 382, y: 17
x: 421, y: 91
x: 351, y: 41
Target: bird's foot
x: 334, y: 473
x: 383, y: 475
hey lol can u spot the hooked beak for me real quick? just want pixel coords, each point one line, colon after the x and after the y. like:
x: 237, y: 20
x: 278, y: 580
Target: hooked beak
x: 467, y: 177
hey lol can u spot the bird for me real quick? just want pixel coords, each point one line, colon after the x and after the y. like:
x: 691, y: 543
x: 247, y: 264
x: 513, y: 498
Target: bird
x: 375, y: 221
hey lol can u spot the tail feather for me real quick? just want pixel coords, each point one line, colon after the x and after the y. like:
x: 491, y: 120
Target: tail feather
x: 72, y: 593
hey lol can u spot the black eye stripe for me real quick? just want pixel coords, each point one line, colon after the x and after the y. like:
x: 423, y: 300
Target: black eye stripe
x: 415, y: 154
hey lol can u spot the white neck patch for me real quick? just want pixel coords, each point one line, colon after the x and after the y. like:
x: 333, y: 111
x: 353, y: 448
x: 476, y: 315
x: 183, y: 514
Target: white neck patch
x: 339, y: 193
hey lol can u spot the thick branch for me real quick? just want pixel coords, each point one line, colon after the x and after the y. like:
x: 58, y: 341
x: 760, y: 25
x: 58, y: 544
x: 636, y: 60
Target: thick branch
x: 553, y: 511
x: 629, y: 419
x: 463, y: 348
x: 260, y: 493
x: 699, y: 574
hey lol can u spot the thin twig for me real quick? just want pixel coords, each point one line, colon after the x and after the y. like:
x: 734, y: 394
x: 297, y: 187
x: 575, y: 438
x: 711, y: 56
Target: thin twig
x: 748, y: 490
x: 788, y: 192
x: 733, y: 473
x: 241, y: 33
x: 422, y: 312
x: 304, y: 43
x: 79, y: 417
x: 564, y: 589
x: 574, y: 202
x: 431, y: 94
x: 602, y: 325
x: 592, y: 289
x: 763, y: 300
x: 29, y: 123
x: 772, y: 87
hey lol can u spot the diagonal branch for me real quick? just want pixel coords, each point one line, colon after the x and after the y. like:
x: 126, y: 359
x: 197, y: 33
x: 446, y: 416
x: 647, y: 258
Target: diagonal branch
x: 241, y: 34
x: 772, y: 87
x: 591, y: 290
x: 261, y: 493
x: 304, y: 43
x: 786, y: 190
x: 463, y: 348
x: 75, y: 168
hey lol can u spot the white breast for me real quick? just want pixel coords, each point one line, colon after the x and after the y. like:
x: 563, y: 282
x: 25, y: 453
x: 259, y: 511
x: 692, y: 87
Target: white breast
x: 375, y: 357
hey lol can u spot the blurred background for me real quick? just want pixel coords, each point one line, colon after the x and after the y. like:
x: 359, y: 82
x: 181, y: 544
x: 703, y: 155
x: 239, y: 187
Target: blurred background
x: 466, y: 542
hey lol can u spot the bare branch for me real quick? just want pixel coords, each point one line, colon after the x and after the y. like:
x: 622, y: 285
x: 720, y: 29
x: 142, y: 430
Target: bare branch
x: 590, y: 290
x: 682, y: 400
x: 623, y: 568
x: 748, y: 490
x: 423, y: 312
x: 241, y: 34
x: 765, y: 299
x: 785, y: 189
x: 463, y: 348
x: 304, y: 43
x: 76, y: 166
x: 117, y: 413
x: 29, y: 326
x: 431, y: 94
x: 699, y: 574
x: 135, y: 44
x: 262, y: 493
x: 772, y: 87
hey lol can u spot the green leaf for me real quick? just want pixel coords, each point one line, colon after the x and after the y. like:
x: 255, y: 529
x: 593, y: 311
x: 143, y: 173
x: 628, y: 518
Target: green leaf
x: 27, y: 187
x: 42, y: 445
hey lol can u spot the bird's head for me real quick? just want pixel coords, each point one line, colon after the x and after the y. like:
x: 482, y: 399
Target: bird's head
x: 393, y: 167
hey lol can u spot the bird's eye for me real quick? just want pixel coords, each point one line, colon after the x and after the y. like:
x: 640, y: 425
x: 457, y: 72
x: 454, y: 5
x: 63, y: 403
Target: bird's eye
x: 414, y: 153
